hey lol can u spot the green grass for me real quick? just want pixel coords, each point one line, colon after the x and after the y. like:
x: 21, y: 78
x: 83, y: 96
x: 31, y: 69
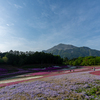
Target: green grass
x: 94, y: 91
x: 97, y: 81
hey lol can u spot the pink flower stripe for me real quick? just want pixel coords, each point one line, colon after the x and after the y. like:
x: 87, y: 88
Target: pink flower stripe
x: 7, y: 84
x: 95, y: 73
x: 40, y: 73
x: 48, y: 74
x: 84, y: 69
x: 97, y: 67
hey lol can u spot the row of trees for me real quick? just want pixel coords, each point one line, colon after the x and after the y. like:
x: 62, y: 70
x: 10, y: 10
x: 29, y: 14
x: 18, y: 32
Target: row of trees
x: 26, y: 58
x: 21, y: 58
x: 83, y: 61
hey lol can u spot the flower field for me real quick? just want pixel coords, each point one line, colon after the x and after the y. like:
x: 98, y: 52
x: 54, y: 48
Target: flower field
x: 72, y: 86
x: 95, y: 73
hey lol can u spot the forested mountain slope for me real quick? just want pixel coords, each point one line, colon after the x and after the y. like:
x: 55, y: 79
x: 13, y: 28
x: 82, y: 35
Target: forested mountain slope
x: 71, y: 51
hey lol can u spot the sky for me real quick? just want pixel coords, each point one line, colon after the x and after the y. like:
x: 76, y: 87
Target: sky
x: 36, y: 25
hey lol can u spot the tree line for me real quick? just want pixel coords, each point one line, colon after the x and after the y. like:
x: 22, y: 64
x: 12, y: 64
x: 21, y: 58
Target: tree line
x: 83, y: 61
x: 17, y: 58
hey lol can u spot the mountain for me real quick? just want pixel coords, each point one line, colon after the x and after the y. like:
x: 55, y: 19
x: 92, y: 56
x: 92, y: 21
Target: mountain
x: 61, y: 47
x: 71, y: 51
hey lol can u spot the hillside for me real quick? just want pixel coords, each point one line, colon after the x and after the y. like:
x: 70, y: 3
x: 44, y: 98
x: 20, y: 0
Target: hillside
x: 71, y: 51
x: 60, y: 47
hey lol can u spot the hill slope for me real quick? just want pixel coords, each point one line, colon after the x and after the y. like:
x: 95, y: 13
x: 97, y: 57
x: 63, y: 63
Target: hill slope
x: 71, y: 51
x: 61, y: 47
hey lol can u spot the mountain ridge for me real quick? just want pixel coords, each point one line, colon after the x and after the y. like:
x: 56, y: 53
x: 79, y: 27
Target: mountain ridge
x: 62, y: 47
x: 71, y: 51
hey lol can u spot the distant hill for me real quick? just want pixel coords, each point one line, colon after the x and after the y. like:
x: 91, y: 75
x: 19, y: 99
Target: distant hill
x: 71, y: 51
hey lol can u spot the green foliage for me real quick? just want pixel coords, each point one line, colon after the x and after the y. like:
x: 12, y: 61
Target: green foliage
x: 5, y: 59
x: 20, y: 58
x: 93, y: 91
x: 84, y: 61
x: 79, y: 90
x: 97, y: 81
x: 1, y: 61
x: 97, y: 60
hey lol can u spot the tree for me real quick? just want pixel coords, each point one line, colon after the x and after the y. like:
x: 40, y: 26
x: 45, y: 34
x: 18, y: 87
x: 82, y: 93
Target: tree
x: 5, y: 59
x: 91, y: 62
x: 97, y: 60
x: 1, y: 61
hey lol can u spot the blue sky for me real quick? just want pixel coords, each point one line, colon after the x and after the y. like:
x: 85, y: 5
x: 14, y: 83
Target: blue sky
x: 36, y: 25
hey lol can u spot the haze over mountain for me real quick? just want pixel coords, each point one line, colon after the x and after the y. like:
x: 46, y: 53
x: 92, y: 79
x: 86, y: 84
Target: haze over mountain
x: 70, y: 51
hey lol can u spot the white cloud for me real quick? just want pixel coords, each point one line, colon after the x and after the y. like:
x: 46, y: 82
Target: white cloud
x: 7, y: 24
x: 11, y: 24
x: 18, y: 6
